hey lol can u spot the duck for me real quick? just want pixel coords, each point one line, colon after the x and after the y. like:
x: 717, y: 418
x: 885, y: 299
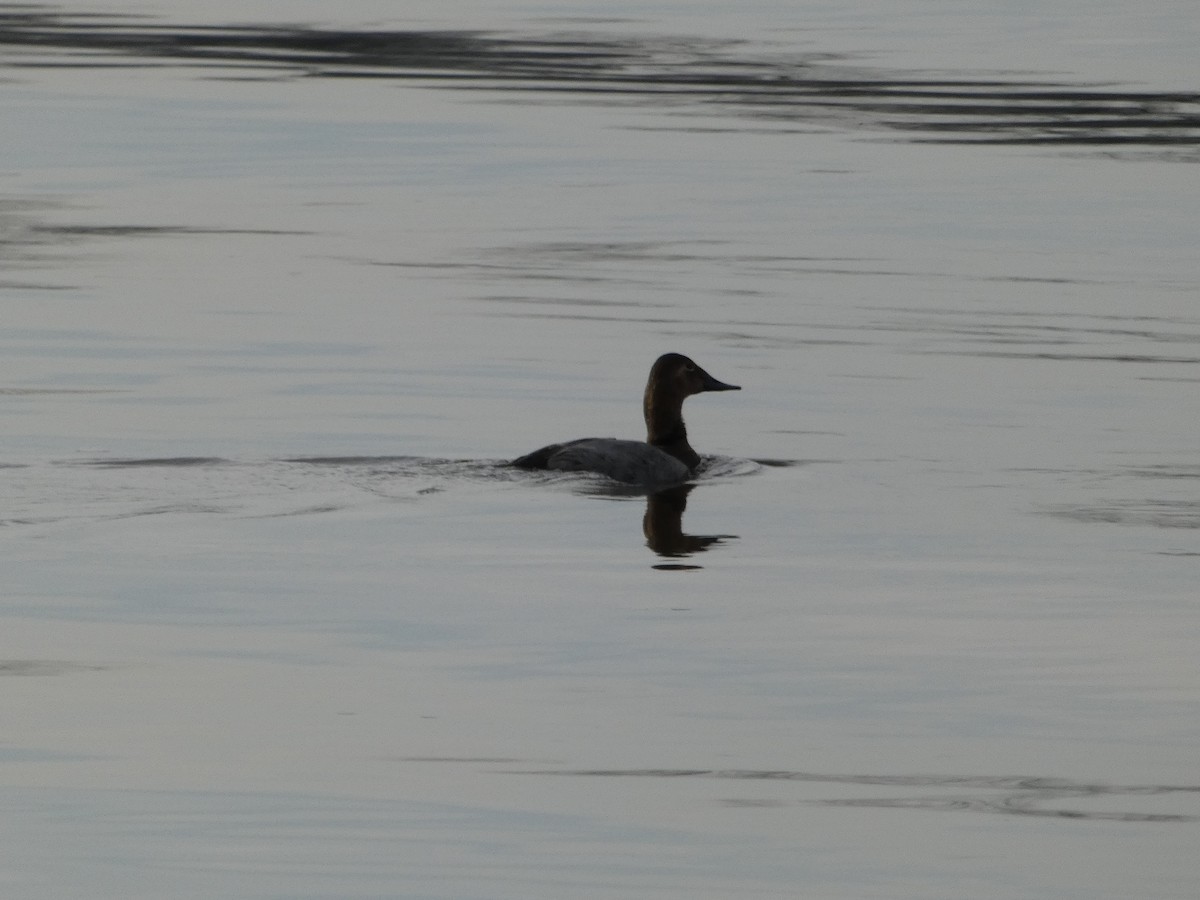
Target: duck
x: 665, y: 458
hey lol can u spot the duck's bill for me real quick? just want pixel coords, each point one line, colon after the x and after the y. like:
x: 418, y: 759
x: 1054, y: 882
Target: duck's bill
x: 711, y: 384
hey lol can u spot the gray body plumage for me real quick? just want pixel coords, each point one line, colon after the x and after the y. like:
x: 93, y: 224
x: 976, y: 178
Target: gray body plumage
x: 633, y: 462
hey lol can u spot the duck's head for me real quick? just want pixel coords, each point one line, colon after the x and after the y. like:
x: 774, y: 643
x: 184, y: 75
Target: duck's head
x: 674, y: 377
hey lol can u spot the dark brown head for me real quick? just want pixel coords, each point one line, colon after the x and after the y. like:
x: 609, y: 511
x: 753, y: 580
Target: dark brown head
x: 674, y: 378
x: 673, y: 374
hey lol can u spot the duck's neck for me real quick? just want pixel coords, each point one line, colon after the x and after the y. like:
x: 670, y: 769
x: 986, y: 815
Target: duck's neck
x: 666, y: 431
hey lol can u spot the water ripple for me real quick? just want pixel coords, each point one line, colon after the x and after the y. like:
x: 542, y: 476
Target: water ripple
x: 1004, y: 794
x: 694, y: 78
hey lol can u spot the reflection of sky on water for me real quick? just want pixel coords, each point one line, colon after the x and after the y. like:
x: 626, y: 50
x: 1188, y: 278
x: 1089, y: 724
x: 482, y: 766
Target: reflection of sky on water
x: 260, y: 282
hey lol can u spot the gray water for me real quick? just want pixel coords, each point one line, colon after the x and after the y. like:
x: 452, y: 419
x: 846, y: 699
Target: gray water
x: 283, y: 286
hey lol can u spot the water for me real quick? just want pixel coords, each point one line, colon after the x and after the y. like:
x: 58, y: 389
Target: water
x: 282, y: 292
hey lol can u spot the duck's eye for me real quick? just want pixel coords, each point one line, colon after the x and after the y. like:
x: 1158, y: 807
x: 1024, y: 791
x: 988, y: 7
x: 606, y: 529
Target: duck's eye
x: 689, y: 368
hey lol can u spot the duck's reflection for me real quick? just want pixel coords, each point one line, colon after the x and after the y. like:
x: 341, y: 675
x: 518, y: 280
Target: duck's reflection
x: 663, y: 527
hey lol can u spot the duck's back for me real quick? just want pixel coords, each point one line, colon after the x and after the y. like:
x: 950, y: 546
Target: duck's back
x: 632, y: 462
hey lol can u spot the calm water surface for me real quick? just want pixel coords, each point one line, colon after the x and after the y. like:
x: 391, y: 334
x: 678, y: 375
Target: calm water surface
x: 282, y: 287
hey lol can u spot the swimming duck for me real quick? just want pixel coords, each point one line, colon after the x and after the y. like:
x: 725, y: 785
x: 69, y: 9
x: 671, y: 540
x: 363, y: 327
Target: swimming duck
x: 665, y: 458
